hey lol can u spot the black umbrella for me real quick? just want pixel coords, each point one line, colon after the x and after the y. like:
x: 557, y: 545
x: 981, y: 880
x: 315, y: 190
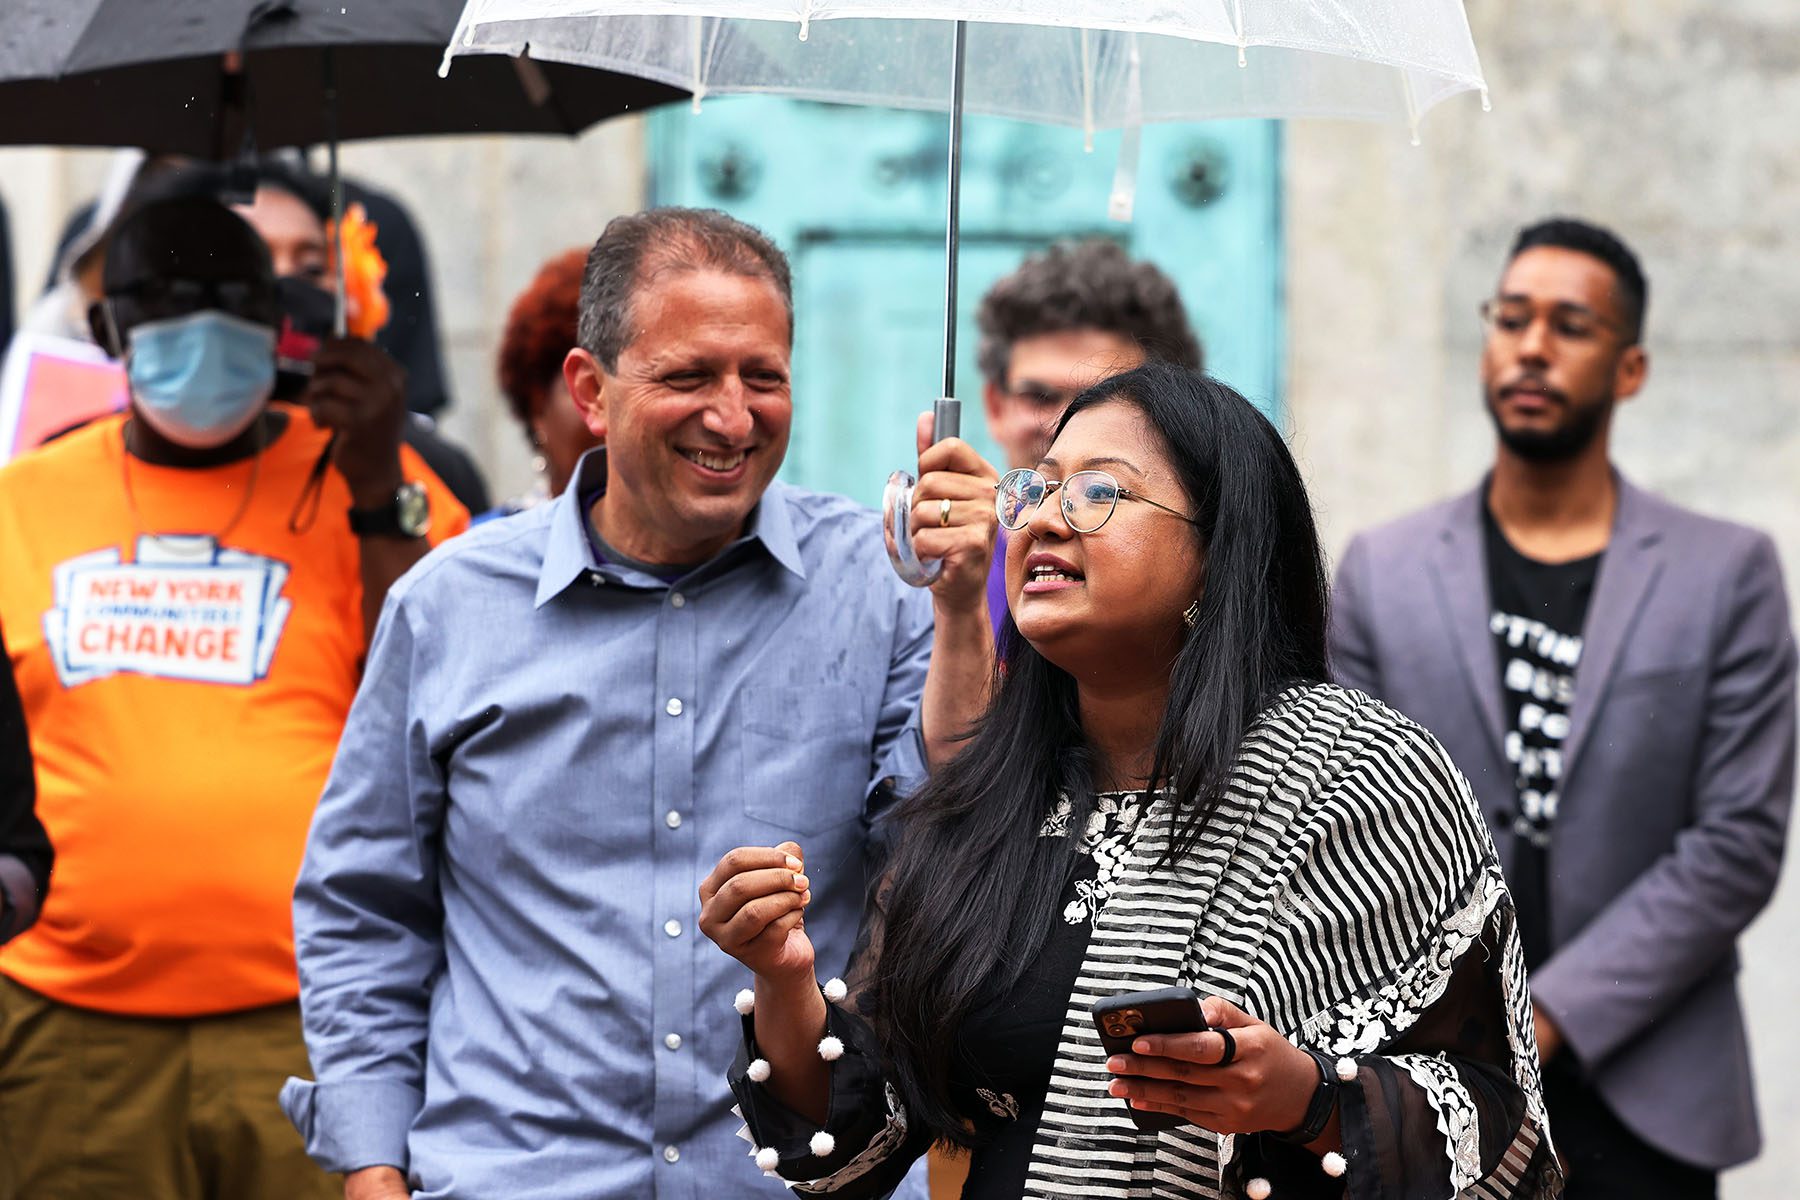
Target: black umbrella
x: 217, y: 79
x: 198, y: 77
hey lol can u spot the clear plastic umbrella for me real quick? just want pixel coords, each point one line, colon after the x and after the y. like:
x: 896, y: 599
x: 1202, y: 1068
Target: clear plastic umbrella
x: 1086, y: 63
x: 1091, y: 64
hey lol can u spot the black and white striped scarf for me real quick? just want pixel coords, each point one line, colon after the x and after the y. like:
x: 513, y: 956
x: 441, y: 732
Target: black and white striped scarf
x: 1343, y: 875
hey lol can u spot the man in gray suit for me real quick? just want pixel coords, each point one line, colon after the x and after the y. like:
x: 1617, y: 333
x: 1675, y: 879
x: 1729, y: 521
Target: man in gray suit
x: 1616, y: 677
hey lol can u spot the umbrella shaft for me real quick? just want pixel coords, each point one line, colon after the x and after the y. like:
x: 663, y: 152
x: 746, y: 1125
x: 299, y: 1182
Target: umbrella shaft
x: 951, y: 236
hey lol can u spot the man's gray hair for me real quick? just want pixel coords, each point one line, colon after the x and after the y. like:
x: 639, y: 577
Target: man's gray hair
x: 1085, y: 285
x: 635, y: 249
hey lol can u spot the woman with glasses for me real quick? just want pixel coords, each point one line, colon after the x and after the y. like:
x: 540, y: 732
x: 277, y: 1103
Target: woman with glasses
x: 1163, y: 793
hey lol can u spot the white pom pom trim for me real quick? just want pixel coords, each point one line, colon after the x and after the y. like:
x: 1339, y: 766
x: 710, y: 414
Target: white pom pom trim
x: 1258, y: 1189
x: 830, y: 1048
x: 836, y: 990
x: 1334, y: 1165
x: 758, y: 1070
x: 767, y: 1159
x: 1346, y: 1070
x: 744, y: 1002
x: 822, y: 1144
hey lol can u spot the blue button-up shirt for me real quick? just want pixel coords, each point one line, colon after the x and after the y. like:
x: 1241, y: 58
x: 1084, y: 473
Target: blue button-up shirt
x: 504, y: 987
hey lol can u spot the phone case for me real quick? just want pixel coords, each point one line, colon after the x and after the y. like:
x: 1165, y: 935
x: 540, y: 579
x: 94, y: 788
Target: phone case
x: 1120, y: 1019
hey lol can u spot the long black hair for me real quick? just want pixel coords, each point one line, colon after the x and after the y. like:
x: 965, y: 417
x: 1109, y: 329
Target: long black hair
x: 971, y: 891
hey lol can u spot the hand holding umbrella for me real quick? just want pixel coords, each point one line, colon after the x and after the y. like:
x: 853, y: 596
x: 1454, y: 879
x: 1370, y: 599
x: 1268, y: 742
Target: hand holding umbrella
x: 355, y: 389
x: 953, y: 523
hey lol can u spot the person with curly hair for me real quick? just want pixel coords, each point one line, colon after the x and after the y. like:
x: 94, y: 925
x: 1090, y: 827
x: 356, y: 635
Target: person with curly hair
x: 1067, y: 318
x: 540, y: 332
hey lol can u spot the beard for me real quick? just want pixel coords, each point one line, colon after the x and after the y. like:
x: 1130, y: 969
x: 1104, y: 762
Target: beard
x: 1580, y: 427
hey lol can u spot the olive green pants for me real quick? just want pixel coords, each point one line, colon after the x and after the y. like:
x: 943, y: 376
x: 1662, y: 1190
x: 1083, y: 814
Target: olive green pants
x: 96, y: 1107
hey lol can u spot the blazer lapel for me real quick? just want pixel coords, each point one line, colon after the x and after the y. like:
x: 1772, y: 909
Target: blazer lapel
x: 1459, y: 570
x: 1633, y: 561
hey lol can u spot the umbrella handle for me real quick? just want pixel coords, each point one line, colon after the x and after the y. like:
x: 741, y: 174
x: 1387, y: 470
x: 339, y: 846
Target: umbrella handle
x: 897, y: 531
x: 897, y: 505
x: 946, y: 419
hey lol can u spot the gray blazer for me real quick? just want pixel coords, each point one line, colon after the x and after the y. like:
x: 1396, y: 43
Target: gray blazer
x: 1678, y: 777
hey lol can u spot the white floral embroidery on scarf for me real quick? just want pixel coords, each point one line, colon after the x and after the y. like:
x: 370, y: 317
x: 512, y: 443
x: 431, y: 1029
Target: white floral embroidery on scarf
x: 1456, y: 1115
x: 1364, y: 1023
x: 1360, y: 1024
x: 1106, y: 840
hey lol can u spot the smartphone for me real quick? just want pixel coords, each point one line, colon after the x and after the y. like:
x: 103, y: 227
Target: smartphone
x: 1120, y: 1019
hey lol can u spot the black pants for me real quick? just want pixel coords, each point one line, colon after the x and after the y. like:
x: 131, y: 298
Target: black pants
x: 1607, y: 1161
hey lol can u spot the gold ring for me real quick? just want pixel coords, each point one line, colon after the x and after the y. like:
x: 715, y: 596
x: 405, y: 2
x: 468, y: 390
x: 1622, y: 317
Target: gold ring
x: 943, y: 512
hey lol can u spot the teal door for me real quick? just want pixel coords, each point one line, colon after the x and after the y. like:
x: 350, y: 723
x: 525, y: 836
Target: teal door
x: 856, y: 198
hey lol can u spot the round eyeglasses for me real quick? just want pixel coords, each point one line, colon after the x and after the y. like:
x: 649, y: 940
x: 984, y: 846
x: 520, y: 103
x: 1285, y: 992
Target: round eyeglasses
x: 1088, y: 498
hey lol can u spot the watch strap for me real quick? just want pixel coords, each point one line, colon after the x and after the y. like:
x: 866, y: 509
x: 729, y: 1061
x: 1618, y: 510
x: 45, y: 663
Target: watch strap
x: 383, y: 521
x: 386, y: 520
x: 1320, y: 1108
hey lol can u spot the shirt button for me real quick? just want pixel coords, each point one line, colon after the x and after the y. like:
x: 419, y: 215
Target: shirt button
x: 672, y: 1154
x: 673, y: 1041
x: 672, y: 927
x: 673, y: 707
x: 677, y: 600
x: 596, y: 578
x: 672, y: 819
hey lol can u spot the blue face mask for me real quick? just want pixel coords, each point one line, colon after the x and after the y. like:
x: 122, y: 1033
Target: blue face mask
x: 200, y: 380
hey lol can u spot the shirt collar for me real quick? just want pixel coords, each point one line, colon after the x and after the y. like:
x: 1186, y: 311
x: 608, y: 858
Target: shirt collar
x: 569, y: 555
x: 772, y: 523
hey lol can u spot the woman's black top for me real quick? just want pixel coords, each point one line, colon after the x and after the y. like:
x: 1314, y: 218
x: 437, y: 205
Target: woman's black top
x: 1001, y: 1072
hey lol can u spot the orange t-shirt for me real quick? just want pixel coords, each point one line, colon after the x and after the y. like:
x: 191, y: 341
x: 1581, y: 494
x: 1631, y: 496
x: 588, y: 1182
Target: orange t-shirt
x: 184, y: 695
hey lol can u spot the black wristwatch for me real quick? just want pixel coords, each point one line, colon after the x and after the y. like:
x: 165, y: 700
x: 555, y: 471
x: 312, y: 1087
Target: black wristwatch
x: 407, y: 515
x: 1318, y: 1112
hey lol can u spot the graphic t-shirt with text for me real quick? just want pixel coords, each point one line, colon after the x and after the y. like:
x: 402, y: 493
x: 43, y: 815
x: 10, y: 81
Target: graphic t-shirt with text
x: 1536, y: 614
x: 186, y: 657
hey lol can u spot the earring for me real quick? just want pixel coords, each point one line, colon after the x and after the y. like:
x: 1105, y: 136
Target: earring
x: 1190, y: 615
x: 538, y: 462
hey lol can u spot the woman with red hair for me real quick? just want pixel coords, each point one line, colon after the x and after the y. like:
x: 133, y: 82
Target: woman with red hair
x: 540, y: 332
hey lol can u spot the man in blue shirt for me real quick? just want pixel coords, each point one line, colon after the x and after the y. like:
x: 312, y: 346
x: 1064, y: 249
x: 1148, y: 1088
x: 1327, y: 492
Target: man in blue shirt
x: 569, y: 715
